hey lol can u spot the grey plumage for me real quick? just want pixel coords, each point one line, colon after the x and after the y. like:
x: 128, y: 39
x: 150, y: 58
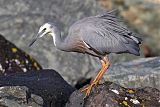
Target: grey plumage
x: 105, y: 34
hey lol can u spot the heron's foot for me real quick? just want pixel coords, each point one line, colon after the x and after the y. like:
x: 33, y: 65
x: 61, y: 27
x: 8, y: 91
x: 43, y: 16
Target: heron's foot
x: 89, y: 88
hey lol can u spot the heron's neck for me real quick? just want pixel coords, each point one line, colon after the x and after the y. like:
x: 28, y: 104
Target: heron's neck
x: 59, y: 42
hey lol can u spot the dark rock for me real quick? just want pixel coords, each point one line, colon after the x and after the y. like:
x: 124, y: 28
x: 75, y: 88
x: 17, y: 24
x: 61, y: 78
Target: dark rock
x: 12, y: 59
x: 16, y: 96
x: 47, y: 84
x: 110, y: 94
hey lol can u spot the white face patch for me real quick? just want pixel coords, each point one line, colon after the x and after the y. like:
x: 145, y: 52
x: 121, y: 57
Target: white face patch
x: 47, y: 28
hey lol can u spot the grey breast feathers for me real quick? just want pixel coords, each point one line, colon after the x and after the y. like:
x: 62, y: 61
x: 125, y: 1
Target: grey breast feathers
x: 106, y: 34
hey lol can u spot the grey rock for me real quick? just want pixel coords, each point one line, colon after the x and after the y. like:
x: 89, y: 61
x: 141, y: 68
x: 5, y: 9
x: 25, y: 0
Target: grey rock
x: 110, y: 94
x: 138, y: 73
x: 16, y: 96
x: 21, y: 19
x: 44, y: 84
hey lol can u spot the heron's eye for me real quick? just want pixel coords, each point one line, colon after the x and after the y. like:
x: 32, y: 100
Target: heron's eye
x: 44, y: 29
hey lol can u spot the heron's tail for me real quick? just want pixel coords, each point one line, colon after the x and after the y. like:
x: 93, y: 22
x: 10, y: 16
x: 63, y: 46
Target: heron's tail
x: 133, y: 45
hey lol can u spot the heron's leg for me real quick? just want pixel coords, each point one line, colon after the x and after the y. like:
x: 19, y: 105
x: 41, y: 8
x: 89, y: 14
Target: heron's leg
x: 105, y: 66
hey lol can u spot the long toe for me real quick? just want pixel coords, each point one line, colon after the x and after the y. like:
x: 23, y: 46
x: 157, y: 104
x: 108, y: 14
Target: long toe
x: 89, y: 88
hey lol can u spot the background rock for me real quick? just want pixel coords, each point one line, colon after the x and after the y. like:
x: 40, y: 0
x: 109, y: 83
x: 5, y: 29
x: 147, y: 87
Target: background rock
x: 21, y: 19
x: 112, y: 95
x: 46, y: 84
x: 138, y: 73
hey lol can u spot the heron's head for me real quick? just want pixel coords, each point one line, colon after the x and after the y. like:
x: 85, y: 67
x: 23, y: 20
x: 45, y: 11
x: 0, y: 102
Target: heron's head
x: 45, y: 29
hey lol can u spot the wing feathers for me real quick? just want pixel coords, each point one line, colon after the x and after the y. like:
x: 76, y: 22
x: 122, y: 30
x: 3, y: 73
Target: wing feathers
x: 106, y: 34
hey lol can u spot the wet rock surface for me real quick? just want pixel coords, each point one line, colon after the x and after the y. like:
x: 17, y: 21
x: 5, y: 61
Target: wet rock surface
x: 13, y: 59
x: 45, y: 84
x: 17, y: 96
x: 110, y: 94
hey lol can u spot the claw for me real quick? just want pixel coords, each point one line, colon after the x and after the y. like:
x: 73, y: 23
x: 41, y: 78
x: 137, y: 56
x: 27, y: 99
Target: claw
x: 89, y: 88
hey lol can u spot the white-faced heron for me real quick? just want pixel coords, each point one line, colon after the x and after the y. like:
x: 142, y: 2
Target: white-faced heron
x: 97, y: 36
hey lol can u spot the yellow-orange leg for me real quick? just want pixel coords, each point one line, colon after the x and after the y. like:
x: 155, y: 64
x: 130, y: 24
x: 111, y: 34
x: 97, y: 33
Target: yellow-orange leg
x: 105, y: 65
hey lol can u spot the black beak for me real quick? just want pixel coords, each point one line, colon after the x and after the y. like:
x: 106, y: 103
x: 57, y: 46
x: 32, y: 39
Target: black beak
x: 32, y: 42
x: 35, y: 38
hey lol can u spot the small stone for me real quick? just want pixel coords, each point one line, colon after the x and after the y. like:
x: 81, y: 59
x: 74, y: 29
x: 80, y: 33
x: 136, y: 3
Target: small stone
x: 126, y: 98
x: 130, y: 91
x: 125, y: 103
x: 14, y: 50
x: 115, y: 91
x: 135, y: 101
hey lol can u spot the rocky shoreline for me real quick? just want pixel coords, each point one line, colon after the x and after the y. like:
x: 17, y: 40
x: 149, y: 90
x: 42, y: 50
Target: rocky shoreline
x: 46, y: 87
x: 44, y: 76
